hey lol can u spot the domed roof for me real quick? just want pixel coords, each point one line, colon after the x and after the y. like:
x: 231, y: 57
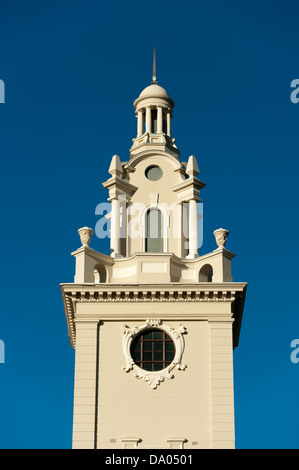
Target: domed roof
x: 154, y: 90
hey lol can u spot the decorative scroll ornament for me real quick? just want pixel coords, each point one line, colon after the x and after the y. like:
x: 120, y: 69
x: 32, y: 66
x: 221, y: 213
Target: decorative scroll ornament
x: 156, y: 377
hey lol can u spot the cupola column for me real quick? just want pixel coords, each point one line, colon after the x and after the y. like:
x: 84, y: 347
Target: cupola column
x: 148, y: 120
x: 169, y: 123
x: 193, y: 229
x: 159, y: 119
x: 139, y: 123
x: 115, y: 229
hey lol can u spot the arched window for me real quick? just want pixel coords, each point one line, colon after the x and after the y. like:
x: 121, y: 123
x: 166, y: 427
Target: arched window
x: 154, y: 241
x: 206, y: 274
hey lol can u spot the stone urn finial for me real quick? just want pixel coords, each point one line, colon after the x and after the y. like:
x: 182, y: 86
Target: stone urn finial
x: 221, y: 236
x: 85, y: 235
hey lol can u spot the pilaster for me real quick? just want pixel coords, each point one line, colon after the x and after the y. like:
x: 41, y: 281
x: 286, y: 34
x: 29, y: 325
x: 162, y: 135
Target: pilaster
x: 222, y: 384
x: 85, y: 389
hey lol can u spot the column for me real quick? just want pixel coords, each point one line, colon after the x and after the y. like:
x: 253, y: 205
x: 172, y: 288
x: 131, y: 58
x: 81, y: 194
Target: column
x: 168, y: 123
x: 193, y: 230
x: 115, y: 226
x: 139, y: 123
x: 123, y: 224
x: 148, y: 120
x: 159, y: 120
x: 178, y: 229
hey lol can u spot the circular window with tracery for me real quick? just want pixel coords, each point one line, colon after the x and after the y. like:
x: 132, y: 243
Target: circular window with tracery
x: 153, y: 350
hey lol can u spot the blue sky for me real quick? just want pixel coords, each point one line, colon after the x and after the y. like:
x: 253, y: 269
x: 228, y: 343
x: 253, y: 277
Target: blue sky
x: 72, y: 70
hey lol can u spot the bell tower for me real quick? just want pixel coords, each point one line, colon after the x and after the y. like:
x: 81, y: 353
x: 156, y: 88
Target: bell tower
x: 154, y: 322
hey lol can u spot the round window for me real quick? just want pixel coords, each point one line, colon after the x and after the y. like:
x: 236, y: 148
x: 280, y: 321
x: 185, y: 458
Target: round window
x: 152, y: 350
x: 153, y: 173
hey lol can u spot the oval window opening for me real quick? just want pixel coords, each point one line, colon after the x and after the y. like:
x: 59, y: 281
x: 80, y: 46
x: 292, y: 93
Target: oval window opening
x: 153, y: 173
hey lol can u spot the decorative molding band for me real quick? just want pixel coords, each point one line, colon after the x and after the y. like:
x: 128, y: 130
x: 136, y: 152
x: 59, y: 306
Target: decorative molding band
x: 69, y: 313
x: 152, y: 296
x: 154, y: 378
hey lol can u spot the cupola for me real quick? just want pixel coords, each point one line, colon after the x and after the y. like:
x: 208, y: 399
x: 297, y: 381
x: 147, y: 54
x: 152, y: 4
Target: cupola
x: 154, y: 110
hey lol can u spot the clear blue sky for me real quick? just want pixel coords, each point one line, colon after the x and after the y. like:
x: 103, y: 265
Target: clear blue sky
x: 72, y: 70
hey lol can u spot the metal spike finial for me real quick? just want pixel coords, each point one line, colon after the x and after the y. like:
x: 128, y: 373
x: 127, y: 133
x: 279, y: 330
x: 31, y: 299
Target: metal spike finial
x: 154, y: 77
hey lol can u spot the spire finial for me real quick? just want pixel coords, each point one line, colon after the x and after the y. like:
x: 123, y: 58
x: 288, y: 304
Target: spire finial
x: 154, y: 77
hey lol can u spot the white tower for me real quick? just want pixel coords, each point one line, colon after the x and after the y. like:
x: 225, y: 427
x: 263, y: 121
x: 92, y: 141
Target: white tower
x: 154, y: 323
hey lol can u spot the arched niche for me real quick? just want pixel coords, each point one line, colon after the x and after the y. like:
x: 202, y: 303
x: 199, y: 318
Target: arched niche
x: 205, y: 273
x: 100, y: 273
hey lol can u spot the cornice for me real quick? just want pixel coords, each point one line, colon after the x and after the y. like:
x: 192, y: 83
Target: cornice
x: 117, y: 182
x: 231, y: 292
x: 153, y: 152
x: 191, y: 181
x: 198, y: 286
x: 69, y: 315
